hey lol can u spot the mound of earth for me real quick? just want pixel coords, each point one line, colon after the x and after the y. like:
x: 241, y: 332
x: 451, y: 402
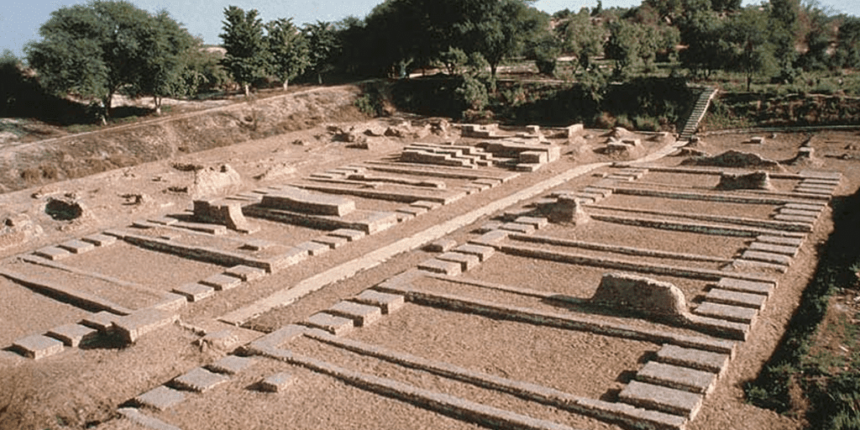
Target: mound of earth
x: 737, y: 159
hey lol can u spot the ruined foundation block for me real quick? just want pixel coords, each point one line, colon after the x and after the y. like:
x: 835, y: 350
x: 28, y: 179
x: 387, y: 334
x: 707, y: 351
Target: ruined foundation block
x: 231, y: 365
x: 332, y: 242
x: 490, y: 238
x: 38, y: 347
x: 567, y: 210
x: 102, y: 321
x: 679, y: 378
x: 734, y: 298
x: 199, y: 380
x: 434, y: 265
x: 100, y: 239
x: 304, y: 202
x: 348, y: 234
x: 331, y: 323
x: 662, y: 399
x: 313, y: 248
x: 694, y: 358
x: 759, y: 180
x: 767, y: 257
x: 362, y: 315
x: 160, y: 398
x: 441, y: 245
x: 131, y: 327
x: 466, y: 261
x: 226, y: 213
x: 482, y: 252
x: 645, y: 296
x: 790, y: 251
x: 53, y: 253
x: 516, y: 227
x: 277, y: 383
x: 727, y: 312
x: 276, y: 339
x: 779, y: 240
x: 222, y: 282
x: 194, y: 292
x: 744, y: 286
x: 77, y: 246
x: 533, y: 157
x: 246, y: 273
x: 536, y: 222
x: 256, y: 245
x: 74, y: 335
x: 389, y: 303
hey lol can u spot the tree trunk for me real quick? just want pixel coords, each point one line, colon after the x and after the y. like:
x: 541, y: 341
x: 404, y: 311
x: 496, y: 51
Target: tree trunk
x: 286, y: 83
x: 319, y: 78
x: 157, y: 100
x: 493, y: 69
x: 247, y: 90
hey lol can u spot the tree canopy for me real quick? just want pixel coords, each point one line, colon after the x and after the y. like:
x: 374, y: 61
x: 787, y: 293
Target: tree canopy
x: 247, y: 57
x: 95, y: 50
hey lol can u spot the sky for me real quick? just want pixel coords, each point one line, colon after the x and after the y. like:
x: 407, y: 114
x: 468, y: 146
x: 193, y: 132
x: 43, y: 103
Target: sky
x: 20, y: 20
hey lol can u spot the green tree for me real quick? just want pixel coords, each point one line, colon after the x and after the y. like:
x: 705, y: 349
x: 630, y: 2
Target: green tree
x: 288, y: 50
x: 746, y: 38
x: 783, y: 28
x: 324, y: 47
x: 702, y: 33
x: 247, y: 58
x: 97, y: 49
x: 624, y: 46
x: 848, y: 43
x: 165, y: 61
x: 582, y: 38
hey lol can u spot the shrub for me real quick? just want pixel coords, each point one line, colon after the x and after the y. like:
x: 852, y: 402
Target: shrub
x: 473, y: 94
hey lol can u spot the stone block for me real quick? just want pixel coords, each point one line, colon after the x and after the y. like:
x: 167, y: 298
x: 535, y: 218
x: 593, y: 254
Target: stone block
x: 679, y: 378
x: 790, y: 251
x: 759, y: 180
x: 226, y: 213
x: 744, y: 286
x: 488, y: 227
x: 529, y: 167
x: 77, y: 246
x: 171, y: 302
x: 796, y: 212
x: 734, y: 298
x: 256, y: 245
x: 757, y: 266
x: 194, y: 292
x: 277, y: 338
x: 511, y: 215
x: 622, y: 291
x: 727, y: 312
x: 74, y: 335
x: 411, y: 210
x: 482, y: 252
x: 160, y: 398
x: 780, y: 240
x: 441, y: 245
x: 694, y: 358
x: 52, y: 253
x: 379, y: 221
x: 131, y: 327
x: 817, y: 174
x: 199, y: 380
x: 37, y: 346
x: 331, y: 241
x: 805, y: 206
x: 663, y: 399
x: 333, y: 324
x: 309, y: 203
x: 389, y: 303
x: 425, y: 205
x: 362, y: 315
x: 603, y: 192
x: 246, y: 273
x: 313, y: 248
x: 231, y: 364
x: 567, y: 210
x: 222, y: 282
x: 516, y: 227
x: 141, y: 420
x: 103, y: 321
x: 100, y: 239
x: 490, y: 238
x: 403, y: 217
x: 811, y: 190
x: 348, y: 234
x: 277, y: 383
x: 443, y: 267
x: 466, y: 261
x: 533, y: 157
x: 767, y: 257
x: 536, y: 222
